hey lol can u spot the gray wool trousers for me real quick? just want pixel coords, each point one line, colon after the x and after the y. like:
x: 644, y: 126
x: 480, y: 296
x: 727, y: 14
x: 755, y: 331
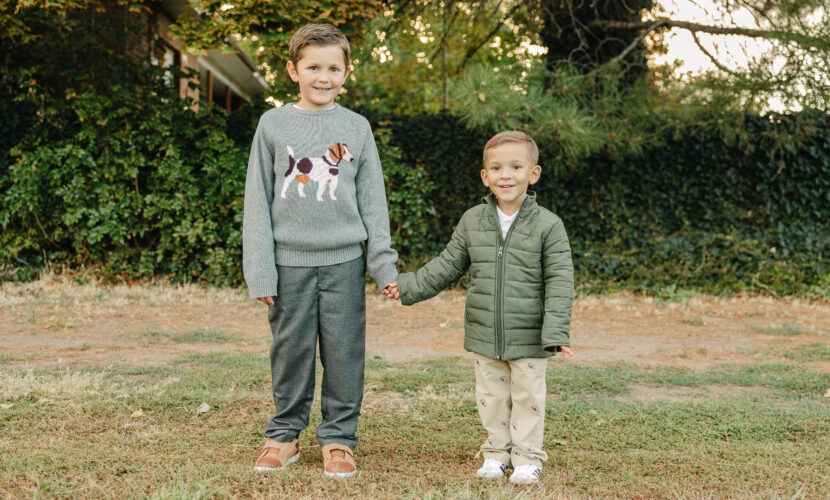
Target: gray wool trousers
x: 325, y: 304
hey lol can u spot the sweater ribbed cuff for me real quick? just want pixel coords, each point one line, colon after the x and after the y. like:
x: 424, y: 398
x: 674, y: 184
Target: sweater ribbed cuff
x: 385, y: 275
x: 264, y: 285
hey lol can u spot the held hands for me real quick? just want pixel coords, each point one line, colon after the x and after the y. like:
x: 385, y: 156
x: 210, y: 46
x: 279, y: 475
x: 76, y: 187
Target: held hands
x: 268, y: 301
x: 392, y: 291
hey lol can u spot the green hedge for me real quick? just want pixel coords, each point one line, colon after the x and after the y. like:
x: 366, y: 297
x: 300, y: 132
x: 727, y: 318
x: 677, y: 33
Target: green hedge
x: 140, y: 186
x: 155, y: 189
x: 694, y: 212
x: 103, y: 165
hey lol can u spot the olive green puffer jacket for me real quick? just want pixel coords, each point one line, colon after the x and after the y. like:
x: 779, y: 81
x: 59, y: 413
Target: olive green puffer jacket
x: 521, y: 288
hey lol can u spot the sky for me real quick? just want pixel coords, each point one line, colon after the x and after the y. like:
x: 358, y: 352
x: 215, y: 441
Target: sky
x: 733, y: 51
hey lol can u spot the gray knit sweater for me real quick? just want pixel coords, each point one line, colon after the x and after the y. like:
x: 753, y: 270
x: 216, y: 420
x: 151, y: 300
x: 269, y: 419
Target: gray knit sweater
x: 313, y: 193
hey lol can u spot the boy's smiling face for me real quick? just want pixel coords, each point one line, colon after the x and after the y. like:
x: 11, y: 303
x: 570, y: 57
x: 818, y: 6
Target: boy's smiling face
x: 320, y: 72
x: 508, y: 171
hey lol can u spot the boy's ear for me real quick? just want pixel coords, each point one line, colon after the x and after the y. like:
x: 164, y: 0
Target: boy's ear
x: 484, y: 178
x: 292, y: 71
x: 535, y: 174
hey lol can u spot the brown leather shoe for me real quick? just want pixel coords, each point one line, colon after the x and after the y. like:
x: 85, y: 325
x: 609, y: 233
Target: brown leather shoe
x: 338, y: 460
x: 276, y: 455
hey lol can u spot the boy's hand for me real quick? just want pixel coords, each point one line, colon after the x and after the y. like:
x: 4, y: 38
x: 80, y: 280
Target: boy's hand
x: 566, y: 352
x: 391, y: 291
x: 268, y: 301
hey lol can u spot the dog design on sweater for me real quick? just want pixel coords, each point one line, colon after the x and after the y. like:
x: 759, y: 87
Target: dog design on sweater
x: 322, y: 170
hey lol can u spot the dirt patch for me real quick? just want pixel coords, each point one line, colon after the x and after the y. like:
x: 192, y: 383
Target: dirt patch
x: 58, y: 321
x: 674, y: 394
x: 383, y: 400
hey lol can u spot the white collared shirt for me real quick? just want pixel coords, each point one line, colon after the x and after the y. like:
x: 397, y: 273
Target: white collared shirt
x: 505, y: 221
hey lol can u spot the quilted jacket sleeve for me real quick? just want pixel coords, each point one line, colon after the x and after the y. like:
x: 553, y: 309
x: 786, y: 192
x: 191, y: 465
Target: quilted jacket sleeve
x: 559, y: 288
x: 440, y: 272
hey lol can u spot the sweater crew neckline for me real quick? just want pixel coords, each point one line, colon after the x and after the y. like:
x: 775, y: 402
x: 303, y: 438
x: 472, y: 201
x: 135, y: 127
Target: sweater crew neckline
x: 294, y: 108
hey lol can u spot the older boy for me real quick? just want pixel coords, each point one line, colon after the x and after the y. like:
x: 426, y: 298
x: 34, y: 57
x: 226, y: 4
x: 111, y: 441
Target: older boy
x: 302, y: 253
x: 518, y: 304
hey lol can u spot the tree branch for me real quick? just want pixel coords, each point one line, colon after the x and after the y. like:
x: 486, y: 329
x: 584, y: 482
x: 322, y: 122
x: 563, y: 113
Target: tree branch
x: 712, y: 58
x: 445, y: 36
x: 472, y: 50
x: 671, y: 23
x: 635, y: 42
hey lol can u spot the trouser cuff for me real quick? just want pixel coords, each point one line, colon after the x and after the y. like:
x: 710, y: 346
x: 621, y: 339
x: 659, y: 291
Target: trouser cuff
x: 501, y: 456
x: 517, y: 460
x: 351, y: 443
x: 281, y: 436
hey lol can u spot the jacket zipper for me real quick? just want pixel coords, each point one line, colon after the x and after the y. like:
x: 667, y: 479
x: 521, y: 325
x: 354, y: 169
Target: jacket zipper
x: 499, y: 290
x: 499, y: 332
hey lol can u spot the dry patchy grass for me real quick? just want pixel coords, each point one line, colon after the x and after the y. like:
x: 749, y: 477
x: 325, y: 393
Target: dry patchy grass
x: 126, y: 431
x: 704, y: 397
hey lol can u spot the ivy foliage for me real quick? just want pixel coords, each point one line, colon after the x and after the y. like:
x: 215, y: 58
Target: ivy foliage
x: 109, y: 166
x: 102, y: 164
x: 140, y: 190
x: 694, y: 210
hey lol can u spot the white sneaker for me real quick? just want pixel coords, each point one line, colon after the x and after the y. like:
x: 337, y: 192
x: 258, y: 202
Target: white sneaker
x: 526, y: 474
x: 491, y: 469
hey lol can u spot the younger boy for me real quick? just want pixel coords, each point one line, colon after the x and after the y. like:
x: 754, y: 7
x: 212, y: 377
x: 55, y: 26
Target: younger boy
x: 519, y: 303
x: 314, y: 192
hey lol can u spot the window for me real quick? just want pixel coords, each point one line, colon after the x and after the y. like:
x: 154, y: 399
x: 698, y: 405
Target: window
x: 165, y: 56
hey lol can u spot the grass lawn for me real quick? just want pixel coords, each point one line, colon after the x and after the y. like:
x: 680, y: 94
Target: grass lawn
x: 125, y: 431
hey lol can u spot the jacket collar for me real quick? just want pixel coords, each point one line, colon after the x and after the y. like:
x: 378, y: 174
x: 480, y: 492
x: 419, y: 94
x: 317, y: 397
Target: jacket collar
x: 527, y: 206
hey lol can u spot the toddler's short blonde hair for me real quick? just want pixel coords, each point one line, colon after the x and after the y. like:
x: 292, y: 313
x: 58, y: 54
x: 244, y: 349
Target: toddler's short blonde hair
x: 514, y: 136
x: 320, y: 35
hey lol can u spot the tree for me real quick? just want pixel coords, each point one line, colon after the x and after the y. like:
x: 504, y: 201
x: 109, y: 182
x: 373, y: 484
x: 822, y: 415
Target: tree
x: 53, y: 52
x: 593, y: 91
x: 265, y: 28
x: 569, y: 33
x: 416, y: 47
x: 102, y: 162
x: 795, y: 35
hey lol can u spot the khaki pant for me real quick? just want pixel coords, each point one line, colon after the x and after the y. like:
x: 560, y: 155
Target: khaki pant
x: 511, y: 404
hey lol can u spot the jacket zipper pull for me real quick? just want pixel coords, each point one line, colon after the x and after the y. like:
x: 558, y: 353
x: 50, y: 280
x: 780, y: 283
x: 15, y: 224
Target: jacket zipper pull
x: 501, y: 250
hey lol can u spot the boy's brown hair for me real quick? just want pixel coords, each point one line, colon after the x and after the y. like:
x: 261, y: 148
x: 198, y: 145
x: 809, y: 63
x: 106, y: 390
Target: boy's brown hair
x: 320, y: 35
x: 517, y: 137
